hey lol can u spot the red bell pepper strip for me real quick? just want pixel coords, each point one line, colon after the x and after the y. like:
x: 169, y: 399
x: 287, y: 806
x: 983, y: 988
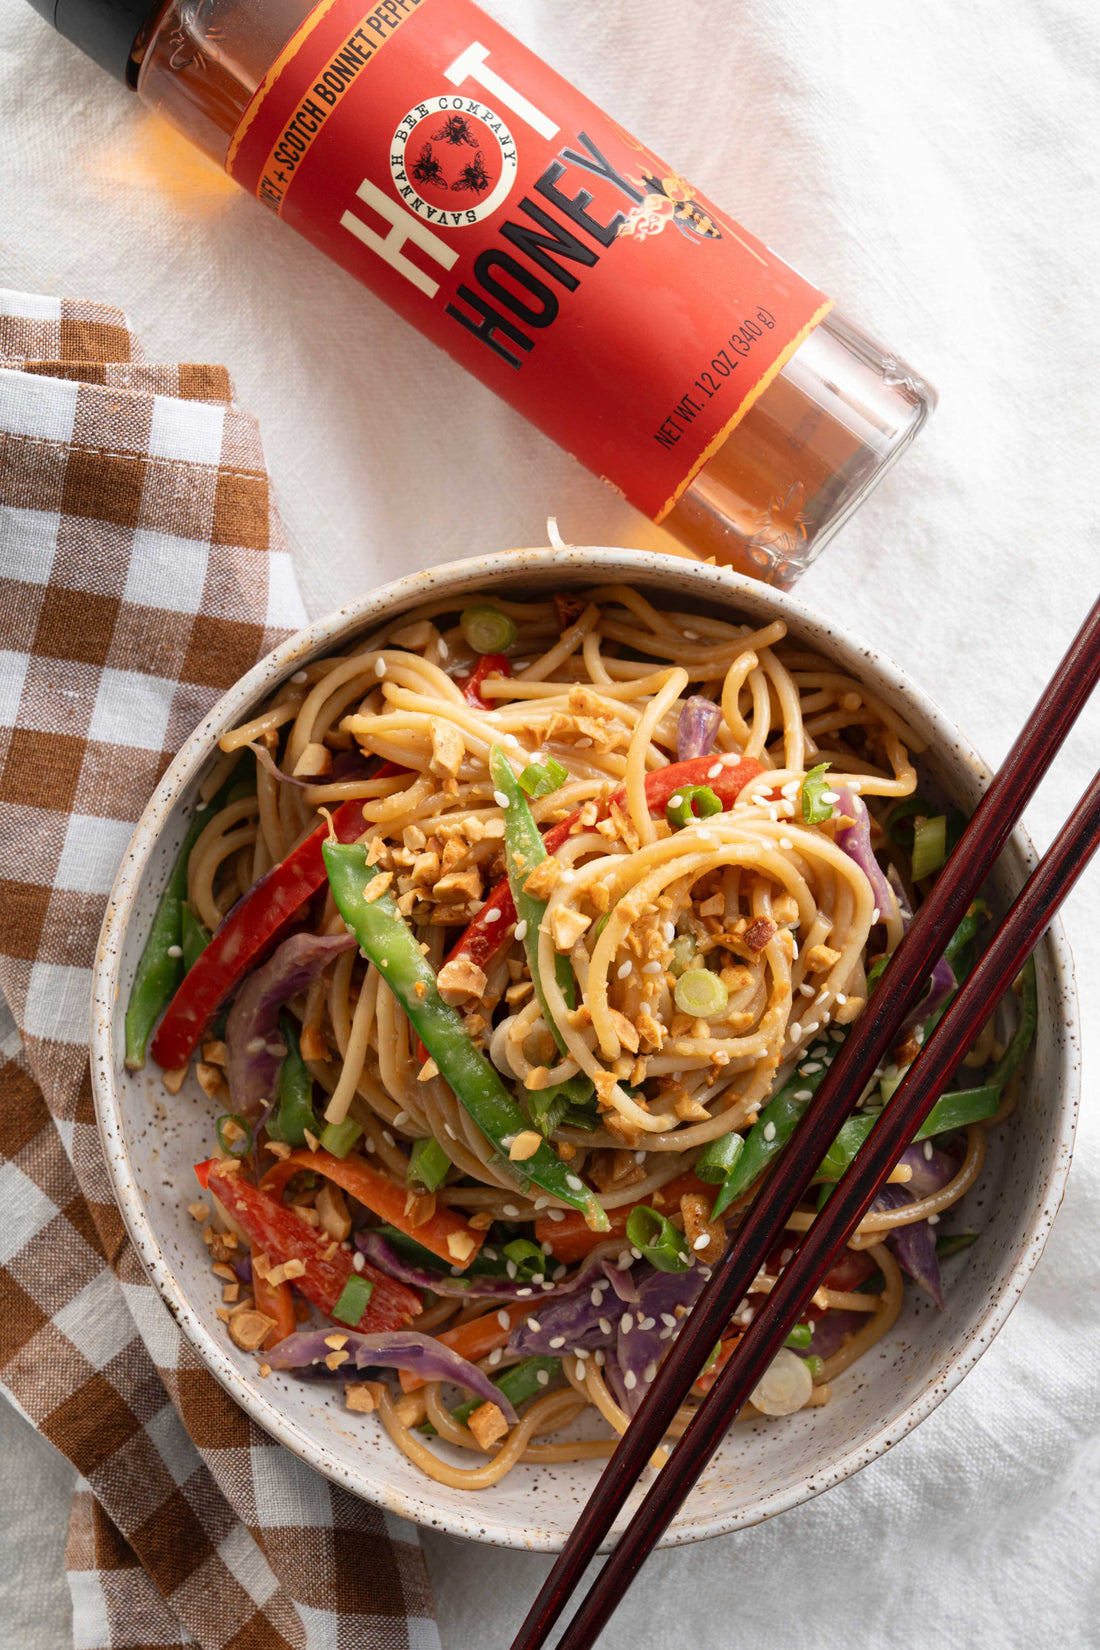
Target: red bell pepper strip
x: 279, y: 1233
x: 243, y: 935
x: 485, y: 935
x: 386, y: 1199
x: 571, y: 1240
x: 488, y: 664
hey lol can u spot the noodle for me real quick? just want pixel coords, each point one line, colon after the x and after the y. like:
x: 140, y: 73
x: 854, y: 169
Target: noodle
x: 761, y: 899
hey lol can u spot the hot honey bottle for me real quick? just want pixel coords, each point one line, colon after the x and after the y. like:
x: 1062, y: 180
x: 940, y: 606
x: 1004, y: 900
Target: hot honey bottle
x: 576, y: 273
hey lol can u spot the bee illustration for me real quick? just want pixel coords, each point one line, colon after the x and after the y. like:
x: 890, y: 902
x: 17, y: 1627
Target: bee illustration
x: 473, y: 175
x: 426, y: 169
x: 689, y: 217
x: 455, y: 129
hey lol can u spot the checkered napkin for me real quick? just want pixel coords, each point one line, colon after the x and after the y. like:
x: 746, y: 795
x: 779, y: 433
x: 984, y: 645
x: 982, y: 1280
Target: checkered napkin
x: 142, y: 570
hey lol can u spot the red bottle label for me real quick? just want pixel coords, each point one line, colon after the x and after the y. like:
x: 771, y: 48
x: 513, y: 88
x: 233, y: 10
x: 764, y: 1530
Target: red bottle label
x: 446, y: 167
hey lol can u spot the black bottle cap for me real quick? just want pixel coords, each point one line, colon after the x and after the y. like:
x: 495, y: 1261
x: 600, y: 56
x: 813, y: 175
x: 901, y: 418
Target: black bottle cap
x: 105, y: 29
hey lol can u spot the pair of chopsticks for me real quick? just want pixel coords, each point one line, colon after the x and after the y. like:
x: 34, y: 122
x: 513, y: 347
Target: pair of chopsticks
x: 765, y: 1221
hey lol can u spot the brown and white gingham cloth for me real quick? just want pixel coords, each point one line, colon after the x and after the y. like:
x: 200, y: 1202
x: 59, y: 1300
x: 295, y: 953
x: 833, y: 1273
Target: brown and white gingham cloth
x: 142, y: 570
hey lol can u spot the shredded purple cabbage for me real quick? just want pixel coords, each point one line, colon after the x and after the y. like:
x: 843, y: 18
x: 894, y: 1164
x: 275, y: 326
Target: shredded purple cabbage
x: 830, y: 1332
x: 253, y: 1024
x: 855, y: 840
x: 697, y: 727
x: 640, y: 1347
x: 394, y: 1349
x: 381, y: 1253
x: 914, y: 1245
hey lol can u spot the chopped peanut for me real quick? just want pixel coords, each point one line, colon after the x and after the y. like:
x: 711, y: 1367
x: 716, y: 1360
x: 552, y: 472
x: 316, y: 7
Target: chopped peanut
x: 460, y: 1246
x: 210, y: 1078
x: 567, y: 926
x: 626, y: 1032
x: 313, y: 1044
x: 376, y: 887
x: 215, y: 1053
x: 760, y: 933
x: 332, y: 1211
x: 363, y: 1396
x: 199, y: 1211
x: 248, y: 1328
x: 525, y: 1145
x: 543, y: 879
x: 174, y: 1080
x: 448, y: 748
x: 820, y: 958
x: 460, y: 978
x: 314, y: 761
x: 487, y: 1424
x: 845, y: 1013
x: 427, y: 1071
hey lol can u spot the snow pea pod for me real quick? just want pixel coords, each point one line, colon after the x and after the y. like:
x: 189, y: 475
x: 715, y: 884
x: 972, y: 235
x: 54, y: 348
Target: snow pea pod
x: 386, y: 939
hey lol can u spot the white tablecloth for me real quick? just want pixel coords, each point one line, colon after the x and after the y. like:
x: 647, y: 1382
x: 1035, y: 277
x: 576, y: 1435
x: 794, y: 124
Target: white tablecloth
x: 934, y: 167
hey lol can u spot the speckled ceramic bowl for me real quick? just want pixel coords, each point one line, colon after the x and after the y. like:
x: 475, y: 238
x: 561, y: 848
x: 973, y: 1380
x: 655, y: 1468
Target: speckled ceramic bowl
x: 763, y: 1468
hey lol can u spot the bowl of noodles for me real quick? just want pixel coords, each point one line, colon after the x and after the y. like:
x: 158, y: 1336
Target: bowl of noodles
x: 469, y: 971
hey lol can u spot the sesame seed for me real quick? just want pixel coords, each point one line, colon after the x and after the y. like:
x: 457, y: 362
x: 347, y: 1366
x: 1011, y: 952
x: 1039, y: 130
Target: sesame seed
x: 555, y: 1214
x: 796, y: 1033
x: 928, y: 1149
x: 574, y: 1183
x: 933, y: 1220
x: 523, y: 1293
x: 442, y: 649
x: 675, y: 801
x: 653, y: 967
x: 500, y: 799
x: 712, y: 773
x: 692, y: 635
x: 596, y: 1297
x: 449, y: 1132
x: 806, y: 990
x: 809, y: 1068
x: 492, y: 916
x: 837, y: 1035
x: 668, y: 1319
x: 556, y: 1341
x: 605, y: 1325
x: 201, y: 807
x: 785, y: 1256
x: 841, y: 999
x: 388, y: 1137
x: 510, y: 1268
x: 769, y: 1134
x: 567, y: 876
x: 510, y: 1210
x: 647, y: 1323
x: 875, y: 914
x: 543, y: 1377
x: 510, y: 739
x: 495, y: 1356
x: 358, y: 1261
x: 668, y: 929
x: 650, y: 1370
x: 380, y: 667
x: 521, y: 929
x: 707, y: 836
x: 599, y: 1358
x: 623, y: 970
x: 830, y: 797
x: 626, y: 1323
x: 175, y: 950
x: 639, y: 1157
x: 503, y: 1319
x: 786, y: 844
x: 255, y: 1045
x: 630, y: 1380
x: 401, y: 1119
x: 704, y: 1237
x: 803, y: 1094
x: 299, y: 676
x: 635, y: 1254
x: 534, y: 1325
x: 540, y: 1203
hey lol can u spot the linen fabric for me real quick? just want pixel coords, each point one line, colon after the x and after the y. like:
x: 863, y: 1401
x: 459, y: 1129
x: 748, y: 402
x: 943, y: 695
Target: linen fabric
x: 142, y: 570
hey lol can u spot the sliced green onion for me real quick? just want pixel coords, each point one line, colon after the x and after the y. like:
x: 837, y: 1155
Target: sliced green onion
x: 701, y: 994
x: 428, y: 1165
x: 294, y: 1113
x: 662, y: 1244
x: 815, y: 1365
x: 800, y: 1337
x: 691, y: 802
x: 715, y: 1354
x: 814, y: 810
x: 487, y: 629
x: 929, y: 845
x: 234, y: 1134
x: 354, y: 1297
x: 683, y: 954
x: 718, y: 1158
x: 908, y: 808
x: 542, y: 778
x: 527, y: 1257
x: 952, y: 1242
x: 876, y: 971
x: 339, y: 1138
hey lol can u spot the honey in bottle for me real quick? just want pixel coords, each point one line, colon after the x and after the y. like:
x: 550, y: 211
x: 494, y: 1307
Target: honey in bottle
x: 486, y: 200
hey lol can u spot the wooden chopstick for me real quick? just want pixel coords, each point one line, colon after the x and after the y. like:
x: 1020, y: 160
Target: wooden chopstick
x: 853, y: 1196
x: 853, y: 1066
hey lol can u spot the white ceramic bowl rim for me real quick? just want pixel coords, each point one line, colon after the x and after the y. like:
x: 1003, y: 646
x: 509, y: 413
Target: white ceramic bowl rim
x: 573, y: 564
